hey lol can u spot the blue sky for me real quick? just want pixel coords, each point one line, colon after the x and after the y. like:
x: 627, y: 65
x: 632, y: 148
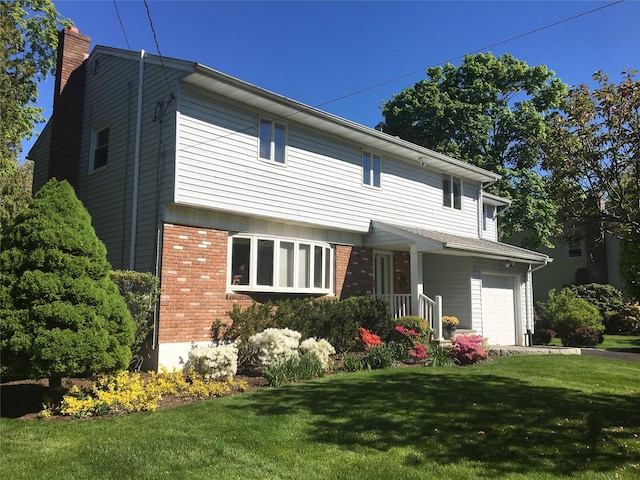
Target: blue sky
x: 319, y: 52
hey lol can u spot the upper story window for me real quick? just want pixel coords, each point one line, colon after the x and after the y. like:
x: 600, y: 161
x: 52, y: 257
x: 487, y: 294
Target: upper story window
x: 273, y: 141
x: 371, y: 167
x: 575, y: 249
x: 280, y: 265
x: 99, y: 148
x: 452, y: 192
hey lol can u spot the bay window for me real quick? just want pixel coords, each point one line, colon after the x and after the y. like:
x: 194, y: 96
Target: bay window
x: 272, y: 264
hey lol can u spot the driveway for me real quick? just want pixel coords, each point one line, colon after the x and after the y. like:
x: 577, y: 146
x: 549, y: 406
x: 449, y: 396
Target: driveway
x: 628, y: 356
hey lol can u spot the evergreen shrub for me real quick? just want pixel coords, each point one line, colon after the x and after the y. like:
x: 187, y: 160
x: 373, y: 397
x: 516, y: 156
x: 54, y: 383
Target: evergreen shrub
x: 606, y: 298
x: 61, y: 315
x: 566, y: 311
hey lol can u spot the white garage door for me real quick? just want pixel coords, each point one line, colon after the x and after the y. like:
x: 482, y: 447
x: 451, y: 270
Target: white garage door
x: 498, y: 310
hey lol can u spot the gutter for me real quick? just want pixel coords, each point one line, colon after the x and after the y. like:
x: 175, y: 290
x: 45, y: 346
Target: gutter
x: 136, y: 167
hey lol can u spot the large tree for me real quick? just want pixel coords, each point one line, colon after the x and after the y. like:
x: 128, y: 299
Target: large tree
x: 29, y: 38
x: 60, y: 313
x: 592, y: 155
x: 489, y: 112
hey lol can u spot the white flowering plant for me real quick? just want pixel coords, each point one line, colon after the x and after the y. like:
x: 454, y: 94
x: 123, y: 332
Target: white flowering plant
x: 215, y: 361
x: 322, y: 349
x: 275, y: 345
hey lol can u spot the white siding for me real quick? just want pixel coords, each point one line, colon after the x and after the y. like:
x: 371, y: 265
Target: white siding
x: 448, y: 276
x: 217, y: 167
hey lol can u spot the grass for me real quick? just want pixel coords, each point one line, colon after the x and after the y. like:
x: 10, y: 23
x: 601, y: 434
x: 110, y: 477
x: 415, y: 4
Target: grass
x: 519, y: 417
x: 618, y: 343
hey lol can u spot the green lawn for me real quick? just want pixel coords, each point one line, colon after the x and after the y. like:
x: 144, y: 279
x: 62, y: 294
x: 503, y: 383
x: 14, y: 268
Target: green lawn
x: 621, y: 343
x: 526, y: 416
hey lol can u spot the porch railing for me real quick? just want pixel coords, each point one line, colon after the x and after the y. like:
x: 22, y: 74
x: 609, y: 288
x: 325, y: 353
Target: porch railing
x: 430, y: 310
x: 400, y: 304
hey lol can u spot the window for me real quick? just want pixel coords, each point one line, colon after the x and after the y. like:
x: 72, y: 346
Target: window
x: 575, y: 249
x: 371, y: 169
x: 272, y: 137
x: 452, y: 192
x: 100, y: 148
x: 282, y: 265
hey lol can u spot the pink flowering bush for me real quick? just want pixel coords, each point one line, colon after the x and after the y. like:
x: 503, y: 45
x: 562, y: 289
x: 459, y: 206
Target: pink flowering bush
x: 411, y: 345
x: 469, y: 349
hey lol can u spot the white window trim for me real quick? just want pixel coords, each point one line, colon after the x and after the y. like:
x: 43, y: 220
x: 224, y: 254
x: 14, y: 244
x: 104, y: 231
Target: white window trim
x: 371, y: 183
x: 93, y: 145
x: 272, y: 147
x: 253, y: 263
x: 451, y: 193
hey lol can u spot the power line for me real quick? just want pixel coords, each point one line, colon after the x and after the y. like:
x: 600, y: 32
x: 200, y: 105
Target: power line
x: 155, y: 39
x: 457, y: 57
x: 124, y: 34
x: 372, y: 87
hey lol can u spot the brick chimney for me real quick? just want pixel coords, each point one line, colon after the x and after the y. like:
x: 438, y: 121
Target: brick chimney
x: 68, y: 103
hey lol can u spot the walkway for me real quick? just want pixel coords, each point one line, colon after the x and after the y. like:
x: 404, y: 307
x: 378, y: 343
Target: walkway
x: 505, y: 350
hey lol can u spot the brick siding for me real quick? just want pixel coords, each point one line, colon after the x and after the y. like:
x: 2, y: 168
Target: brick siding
x: 194, y: 281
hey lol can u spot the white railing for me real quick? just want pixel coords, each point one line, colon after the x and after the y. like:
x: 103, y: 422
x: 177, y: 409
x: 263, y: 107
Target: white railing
x: 400, y: 304
x: 430, y: 310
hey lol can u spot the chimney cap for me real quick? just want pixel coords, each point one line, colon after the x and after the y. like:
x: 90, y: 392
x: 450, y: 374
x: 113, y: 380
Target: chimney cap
x: 73, y: 28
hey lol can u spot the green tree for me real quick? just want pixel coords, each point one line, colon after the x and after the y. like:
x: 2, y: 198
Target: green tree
x: 592, y: 155
x: 15, y: 191
x: 29, y: 37
x: 489, y: 112
x: 60, y: 313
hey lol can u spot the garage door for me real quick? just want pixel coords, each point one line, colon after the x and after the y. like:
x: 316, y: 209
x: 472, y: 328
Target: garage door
x: 498, y: 310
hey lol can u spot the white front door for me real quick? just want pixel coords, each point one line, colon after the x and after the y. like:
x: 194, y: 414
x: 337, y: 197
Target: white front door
x: 382, y: 269
x: 498, y: 309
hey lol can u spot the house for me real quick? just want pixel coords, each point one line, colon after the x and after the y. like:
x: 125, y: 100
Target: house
x: 231, y: 193
x: 591, y: 258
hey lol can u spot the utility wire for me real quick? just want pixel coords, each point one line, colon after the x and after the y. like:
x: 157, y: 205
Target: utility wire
x: 124, y: 34
x: 155, y: 39
x: 457, y: 57
x: 372, y: 87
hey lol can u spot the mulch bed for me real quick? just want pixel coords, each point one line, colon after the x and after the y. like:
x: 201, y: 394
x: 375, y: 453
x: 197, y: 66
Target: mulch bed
x: 24, y: 399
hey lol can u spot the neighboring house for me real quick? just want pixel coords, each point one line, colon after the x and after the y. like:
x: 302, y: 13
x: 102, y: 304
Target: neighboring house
x: 230, y: 194
x: 576, y: 262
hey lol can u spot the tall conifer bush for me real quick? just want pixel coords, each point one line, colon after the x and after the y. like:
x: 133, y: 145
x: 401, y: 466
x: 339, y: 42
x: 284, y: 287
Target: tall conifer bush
x: 60, y: 313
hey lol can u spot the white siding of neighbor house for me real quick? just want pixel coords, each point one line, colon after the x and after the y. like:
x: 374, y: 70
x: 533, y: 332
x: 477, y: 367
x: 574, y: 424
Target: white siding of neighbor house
x: 217, y: 166
x: 111, y: 94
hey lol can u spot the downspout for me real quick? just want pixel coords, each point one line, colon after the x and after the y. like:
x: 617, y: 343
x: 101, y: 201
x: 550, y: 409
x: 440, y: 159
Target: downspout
x: 136, y: 167
x: 530, y: 303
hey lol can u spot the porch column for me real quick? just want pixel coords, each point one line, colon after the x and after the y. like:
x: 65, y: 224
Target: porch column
x: 416, y: 279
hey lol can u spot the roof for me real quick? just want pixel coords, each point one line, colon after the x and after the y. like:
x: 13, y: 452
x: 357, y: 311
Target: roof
x: 446, y: 243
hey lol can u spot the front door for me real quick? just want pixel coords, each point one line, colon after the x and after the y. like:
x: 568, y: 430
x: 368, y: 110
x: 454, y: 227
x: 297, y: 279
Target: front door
x: 382, y: 269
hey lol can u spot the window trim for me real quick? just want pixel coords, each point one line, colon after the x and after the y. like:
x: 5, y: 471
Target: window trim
x: 368, y: 178
x: 451, y: 180
x: 95, y: 134
x: 327, y: 262
x: 273, y: 127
